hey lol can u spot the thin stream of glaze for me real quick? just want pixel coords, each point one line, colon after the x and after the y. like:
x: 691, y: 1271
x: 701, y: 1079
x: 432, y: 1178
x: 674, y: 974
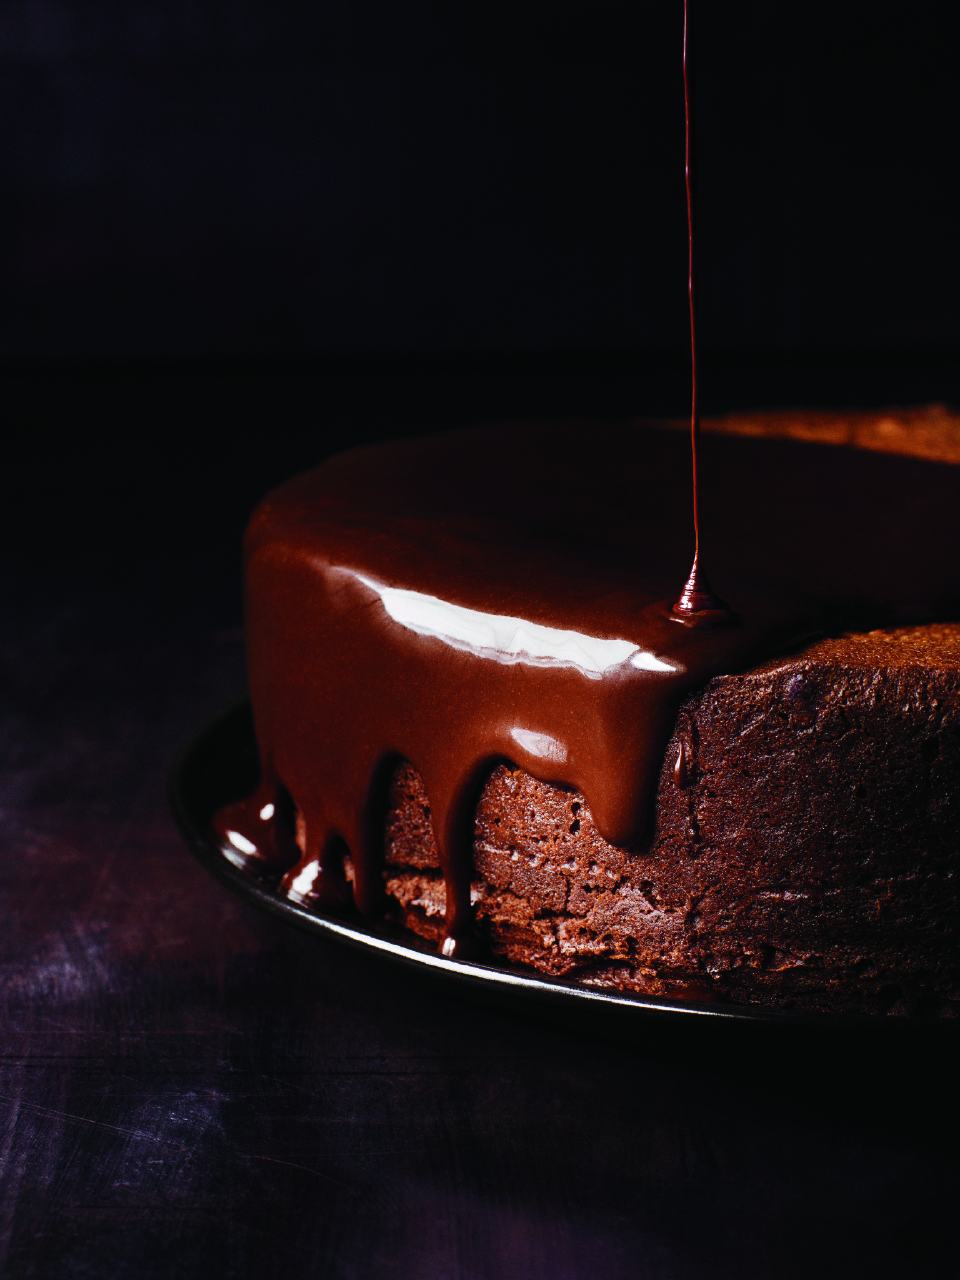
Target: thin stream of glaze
x: 697, y: 606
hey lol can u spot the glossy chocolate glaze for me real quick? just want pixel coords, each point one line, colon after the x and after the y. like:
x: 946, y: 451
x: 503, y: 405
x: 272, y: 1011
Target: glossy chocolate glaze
x: 505, y: 593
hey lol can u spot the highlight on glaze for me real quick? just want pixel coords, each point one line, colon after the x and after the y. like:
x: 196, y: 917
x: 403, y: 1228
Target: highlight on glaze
x: 506, y: 639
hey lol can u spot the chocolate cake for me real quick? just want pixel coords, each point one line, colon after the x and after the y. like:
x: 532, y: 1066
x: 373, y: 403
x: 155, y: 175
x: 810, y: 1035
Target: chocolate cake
x: 478, y: 715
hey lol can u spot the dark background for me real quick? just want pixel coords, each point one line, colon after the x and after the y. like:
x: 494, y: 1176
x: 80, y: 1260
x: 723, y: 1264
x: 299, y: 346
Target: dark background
x: 198, y: 177
x: 237, y: 237
x: 240, y: 236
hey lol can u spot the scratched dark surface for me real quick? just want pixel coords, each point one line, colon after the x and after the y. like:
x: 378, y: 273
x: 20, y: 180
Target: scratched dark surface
x: 189, y: 1090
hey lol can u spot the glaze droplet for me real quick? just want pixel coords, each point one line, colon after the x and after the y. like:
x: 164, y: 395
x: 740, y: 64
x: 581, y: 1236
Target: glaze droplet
x: 698, y: 606
x: 680, y: 767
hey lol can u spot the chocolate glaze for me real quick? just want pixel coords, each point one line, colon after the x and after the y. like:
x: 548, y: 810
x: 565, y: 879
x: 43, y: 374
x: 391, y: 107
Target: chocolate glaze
x: 504, y: 594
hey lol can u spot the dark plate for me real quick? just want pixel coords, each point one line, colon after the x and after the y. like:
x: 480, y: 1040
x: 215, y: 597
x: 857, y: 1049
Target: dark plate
x: 220, y: 765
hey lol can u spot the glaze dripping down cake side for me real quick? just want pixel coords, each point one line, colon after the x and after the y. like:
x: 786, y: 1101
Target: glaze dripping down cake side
x: 468, y: 686
x: 806, y: 850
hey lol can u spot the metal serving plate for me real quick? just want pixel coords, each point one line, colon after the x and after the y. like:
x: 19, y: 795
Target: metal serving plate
x: 220, y: 765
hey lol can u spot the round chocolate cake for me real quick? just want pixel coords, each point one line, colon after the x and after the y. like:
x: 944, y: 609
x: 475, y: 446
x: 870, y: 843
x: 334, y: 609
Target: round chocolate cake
x: 478, y: 714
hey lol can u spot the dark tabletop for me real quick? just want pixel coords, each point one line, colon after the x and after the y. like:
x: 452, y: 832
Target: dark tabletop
x: 188, y: 1089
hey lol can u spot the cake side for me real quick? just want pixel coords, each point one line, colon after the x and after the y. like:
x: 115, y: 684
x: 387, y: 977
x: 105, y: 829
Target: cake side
x: 806, y: 849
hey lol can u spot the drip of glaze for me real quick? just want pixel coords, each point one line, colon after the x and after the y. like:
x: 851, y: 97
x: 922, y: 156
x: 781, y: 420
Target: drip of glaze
x: 256, y: 836
x: 680, y: 771
x: 697, y: 606
x: 250, y: 834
